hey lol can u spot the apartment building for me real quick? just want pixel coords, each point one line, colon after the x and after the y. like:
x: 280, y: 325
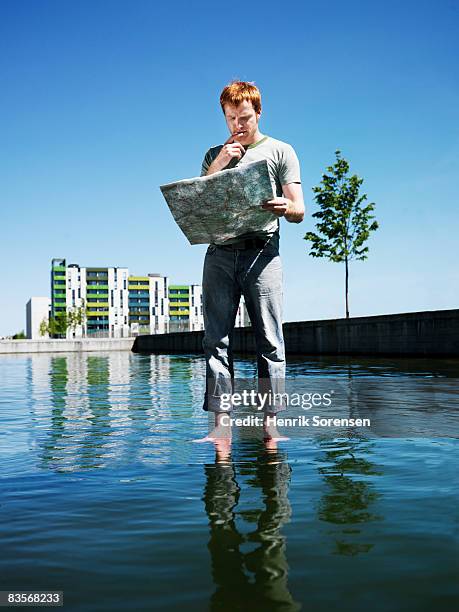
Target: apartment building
x: 185, y: 309
x: 148, y: 303
x: 183, y: 304
x: 101, y: 292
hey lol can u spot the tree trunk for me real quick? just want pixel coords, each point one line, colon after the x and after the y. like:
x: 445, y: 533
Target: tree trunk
x: 347, y: 289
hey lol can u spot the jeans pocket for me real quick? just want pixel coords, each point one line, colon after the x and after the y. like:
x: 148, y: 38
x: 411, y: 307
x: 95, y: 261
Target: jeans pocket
x: 270, y: 250
x: 268, y: 275
x: 211, y: 249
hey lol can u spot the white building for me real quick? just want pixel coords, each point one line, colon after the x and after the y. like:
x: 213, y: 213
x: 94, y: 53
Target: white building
x: 159, y: 303
x: 196, y: 315
x: 75, y: 294
x: 37, y: 310
x: 242, y: 316
x: 101, y: 294
x: 118, y: 305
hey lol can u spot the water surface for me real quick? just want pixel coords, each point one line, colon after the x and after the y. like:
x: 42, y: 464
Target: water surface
x: 104, y: 496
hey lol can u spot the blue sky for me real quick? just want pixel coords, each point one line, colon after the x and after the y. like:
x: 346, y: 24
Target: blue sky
x: 101, y: 102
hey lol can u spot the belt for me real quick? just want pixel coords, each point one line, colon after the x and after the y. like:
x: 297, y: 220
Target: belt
x: 242, y: 245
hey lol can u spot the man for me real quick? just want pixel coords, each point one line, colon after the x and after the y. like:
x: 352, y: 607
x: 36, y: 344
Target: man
x: 248, y: 264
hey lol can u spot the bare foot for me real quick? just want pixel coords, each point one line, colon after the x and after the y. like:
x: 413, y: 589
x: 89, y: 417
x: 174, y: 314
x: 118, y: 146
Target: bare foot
x: 221, y: 431
x: 217, y: 434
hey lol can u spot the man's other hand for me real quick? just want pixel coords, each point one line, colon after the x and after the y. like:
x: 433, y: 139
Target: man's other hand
x: 290, y: 206
x: 278, y: 206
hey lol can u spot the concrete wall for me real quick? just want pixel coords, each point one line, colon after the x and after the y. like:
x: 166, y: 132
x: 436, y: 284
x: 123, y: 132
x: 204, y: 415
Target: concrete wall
x: 63, y: 346
x: 430, y: 333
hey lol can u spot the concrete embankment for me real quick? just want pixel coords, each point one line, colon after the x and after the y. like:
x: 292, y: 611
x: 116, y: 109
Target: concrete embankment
x: 429, y: 333
x: 64, y: 346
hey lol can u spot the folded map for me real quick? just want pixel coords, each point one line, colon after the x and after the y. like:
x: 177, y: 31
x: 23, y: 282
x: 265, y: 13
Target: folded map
x: 223, y: 205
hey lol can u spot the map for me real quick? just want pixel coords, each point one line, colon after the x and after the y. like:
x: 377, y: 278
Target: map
x: 223, y: 205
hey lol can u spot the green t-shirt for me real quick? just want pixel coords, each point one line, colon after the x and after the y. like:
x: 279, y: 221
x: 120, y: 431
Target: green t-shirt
x: 283, y: 166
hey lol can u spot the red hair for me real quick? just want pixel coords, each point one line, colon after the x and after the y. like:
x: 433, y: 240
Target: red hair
x: 238, y: 91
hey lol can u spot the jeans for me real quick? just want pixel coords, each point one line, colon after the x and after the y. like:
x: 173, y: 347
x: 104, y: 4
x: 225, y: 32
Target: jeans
x: 256, y: 273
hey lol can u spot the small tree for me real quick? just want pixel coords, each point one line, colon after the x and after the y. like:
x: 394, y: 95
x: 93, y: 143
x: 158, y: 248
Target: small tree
x: 77, y: 316
x: 62, y: 321
x: 344, y: 224
x: 58, y: 324
x: 44, y: 327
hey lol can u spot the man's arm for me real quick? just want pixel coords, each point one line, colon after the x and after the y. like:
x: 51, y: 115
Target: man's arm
x: 290, y: 206
x: 295, y: 209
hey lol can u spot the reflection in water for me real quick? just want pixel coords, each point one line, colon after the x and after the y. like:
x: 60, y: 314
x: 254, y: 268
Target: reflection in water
x: 364, y: 366
x: 257, y: 579
x: 58, y: 387
x: 347, y: 502
x: 350, y: 493
x: 94, y: 446
x: 254, y: 580
x: 94, y: 410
